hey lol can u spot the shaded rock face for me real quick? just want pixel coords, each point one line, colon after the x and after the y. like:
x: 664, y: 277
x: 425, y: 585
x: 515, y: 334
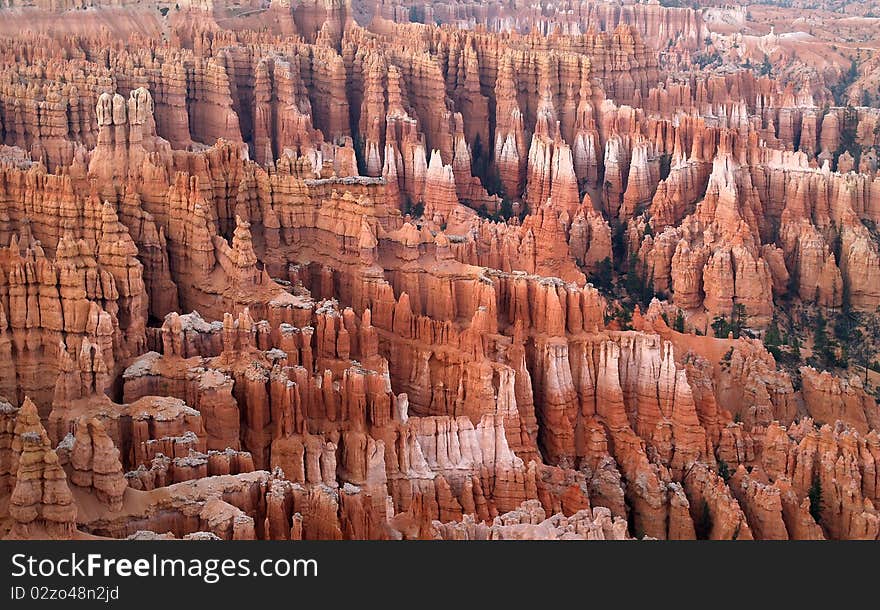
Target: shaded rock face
x: 304, y: 279
x: 94, y: 463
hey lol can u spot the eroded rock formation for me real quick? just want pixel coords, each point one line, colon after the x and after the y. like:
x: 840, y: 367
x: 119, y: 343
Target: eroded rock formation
x: 322, y: 280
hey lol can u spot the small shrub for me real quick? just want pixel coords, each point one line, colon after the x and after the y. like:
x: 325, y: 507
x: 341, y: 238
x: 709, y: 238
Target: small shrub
x: 723, y: 470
